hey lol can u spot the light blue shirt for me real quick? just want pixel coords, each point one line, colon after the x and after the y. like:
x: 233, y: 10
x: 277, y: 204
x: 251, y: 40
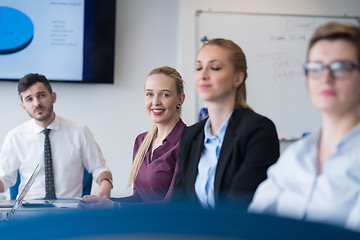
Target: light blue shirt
x: 294, y: 189
x: 204, y: 184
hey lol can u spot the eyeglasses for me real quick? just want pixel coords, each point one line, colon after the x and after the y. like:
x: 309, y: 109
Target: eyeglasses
x: 338, y: 69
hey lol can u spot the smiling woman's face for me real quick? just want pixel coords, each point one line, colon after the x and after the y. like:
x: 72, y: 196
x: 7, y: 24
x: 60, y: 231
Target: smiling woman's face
x: 161, y: 99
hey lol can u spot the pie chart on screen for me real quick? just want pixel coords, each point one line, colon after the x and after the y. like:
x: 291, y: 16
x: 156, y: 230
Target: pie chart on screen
x: 16, y: 30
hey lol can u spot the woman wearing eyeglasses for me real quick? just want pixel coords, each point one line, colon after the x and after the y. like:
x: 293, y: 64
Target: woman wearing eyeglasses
x: 318, y: 177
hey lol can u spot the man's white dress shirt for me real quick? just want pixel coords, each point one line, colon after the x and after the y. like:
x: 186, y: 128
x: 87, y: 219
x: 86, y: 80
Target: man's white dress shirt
x: 73, y: 147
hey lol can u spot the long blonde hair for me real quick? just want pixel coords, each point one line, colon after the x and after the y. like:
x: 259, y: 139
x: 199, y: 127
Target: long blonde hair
x: 238, y: 59
x: 145, y: 145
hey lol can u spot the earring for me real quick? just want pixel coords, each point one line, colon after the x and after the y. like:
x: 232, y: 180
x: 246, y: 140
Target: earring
x: 178, y: 107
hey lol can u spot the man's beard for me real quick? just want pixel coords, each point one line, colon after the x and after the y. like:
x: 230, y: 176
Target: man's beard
x: 44, y: 116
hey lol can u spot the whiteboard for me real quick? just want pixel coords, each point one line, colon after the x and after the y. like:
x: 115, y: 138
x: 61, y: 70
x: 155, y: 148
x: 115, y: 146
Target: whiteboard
x: 275, y: 48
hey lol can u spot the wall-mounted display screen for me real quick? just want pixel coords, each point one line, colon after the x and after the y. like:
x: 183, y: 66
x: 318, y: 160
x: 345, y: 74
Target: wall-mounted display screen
x: 65, y: 40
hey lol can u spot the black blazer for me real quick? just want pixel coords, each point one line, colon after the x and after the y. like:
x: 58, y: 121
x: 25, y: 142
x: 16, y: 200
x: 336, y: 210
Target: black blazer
x: 250, y: 146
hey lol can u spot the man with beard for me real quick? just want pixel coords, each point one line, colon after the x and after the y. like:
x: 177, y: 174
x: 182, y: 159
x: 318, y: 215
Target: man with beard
x: 72, y: 148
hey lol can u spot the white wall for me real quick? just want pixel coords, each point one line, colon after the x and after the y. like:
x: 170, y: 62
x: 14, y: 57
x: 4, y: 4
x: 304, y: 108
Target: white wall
x: 148, y: 34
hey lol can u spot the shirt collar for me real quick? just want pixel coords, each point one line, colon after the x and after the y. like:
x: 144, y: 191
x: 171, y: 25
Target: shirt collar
x: 175, y: 133
x: 220, y: 133
x: 351, y: 136
x: 315, y: 137
x: 55, y: 125
x: 312, y: 141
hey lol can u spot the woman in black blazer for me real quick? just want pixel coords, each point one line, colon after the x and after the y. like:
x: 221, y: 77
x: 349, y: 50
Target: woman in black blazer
x: 223, y: 158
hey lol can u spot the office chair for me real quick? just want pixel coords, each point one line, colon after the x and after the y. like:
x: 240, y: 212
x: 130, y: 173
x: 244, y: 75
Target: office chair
x: 87, y: 183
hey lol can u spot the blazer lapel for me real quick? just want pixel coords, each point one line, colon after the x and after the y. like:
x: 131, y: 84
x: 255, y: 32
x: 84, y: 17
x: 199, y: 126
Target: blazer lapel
x: 226, y: 150
x: 195, y: 154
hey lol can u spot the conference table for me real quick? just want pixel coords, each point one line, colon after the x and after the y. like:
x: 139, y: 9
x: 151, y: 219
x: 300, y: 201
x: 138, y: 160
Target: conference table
x: 33, y: 208
x: 64, y: 220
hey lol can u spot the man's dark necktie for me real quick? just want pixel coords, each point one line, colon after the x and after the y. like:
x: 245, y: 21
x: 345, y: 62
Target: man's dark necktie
x: 49, y: 176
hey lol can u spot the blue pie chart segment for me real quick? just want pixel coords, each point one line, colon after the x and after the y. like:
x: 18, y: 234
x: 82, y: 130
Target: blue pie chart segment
x: 16, y: 30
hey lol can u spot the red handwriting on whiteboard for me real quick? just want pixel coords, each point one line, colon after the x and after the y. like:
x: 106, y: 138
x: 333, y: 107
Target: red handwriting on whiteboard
x: 287, y: 75
x: 287, y: 63
x: 262, y: 57
x: 284, y: 67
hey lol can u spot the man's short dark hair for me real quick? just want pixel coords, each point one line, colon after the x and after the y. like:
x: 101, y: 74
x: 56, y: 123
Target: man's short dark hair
x: 30, y: 79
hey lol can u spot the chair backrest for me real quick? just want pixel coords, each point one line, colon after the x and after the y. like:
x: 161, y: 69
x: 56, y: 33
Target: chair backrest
x: 87, y: 183
x: 14, y: 190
